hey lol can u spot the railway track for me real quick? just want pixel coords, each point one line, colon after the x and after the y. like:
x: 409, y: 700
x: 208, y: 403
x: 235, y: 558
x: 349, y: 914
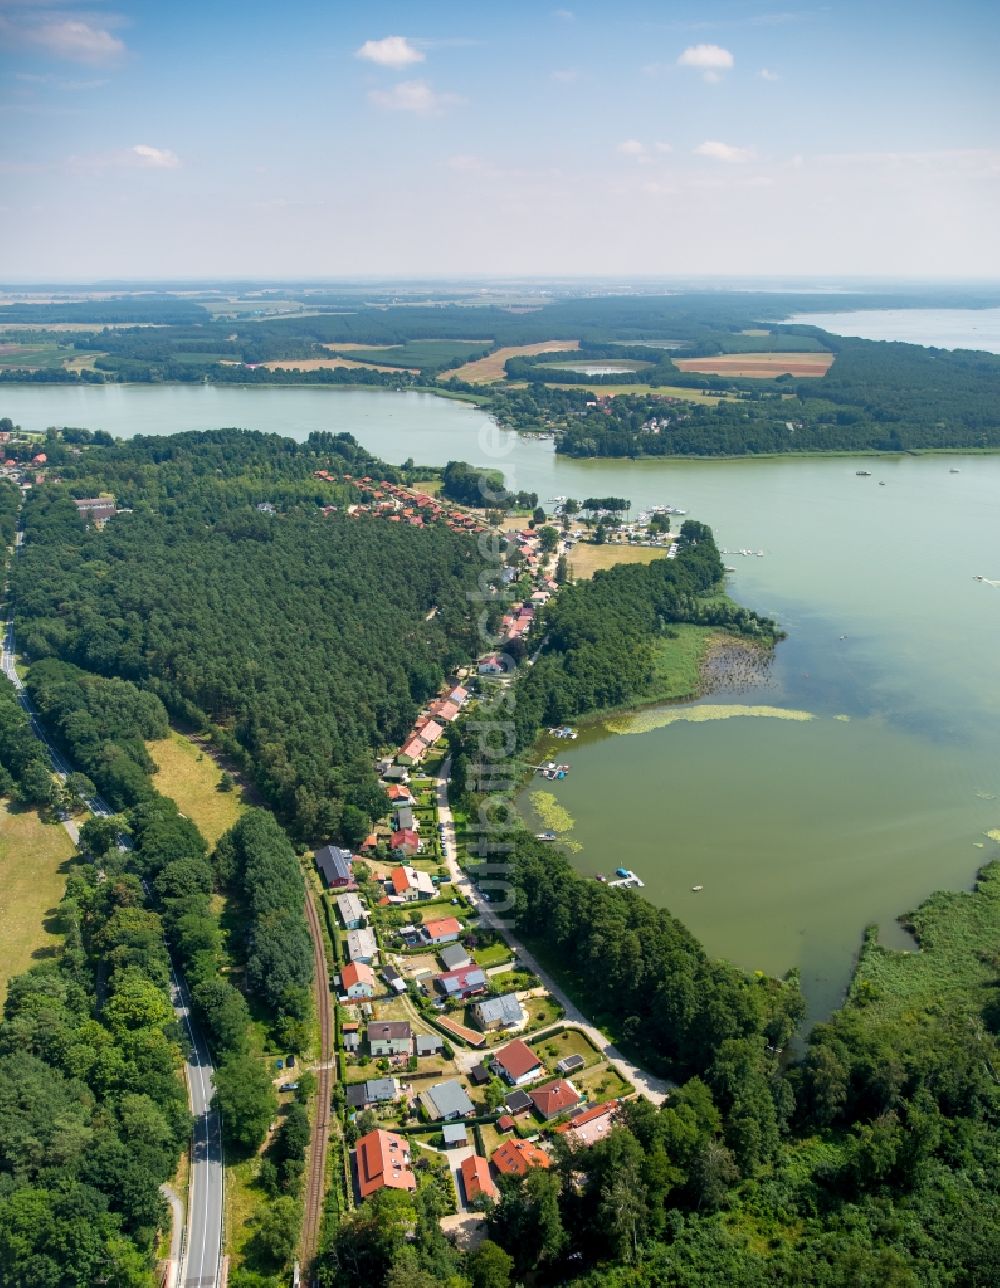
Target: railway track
x: 316, y: 1174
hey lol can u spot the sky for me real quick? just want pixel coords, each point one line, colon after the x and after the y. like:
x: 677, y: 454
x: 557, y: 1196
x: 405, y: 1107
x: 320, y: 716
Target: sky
x: 324, y: 140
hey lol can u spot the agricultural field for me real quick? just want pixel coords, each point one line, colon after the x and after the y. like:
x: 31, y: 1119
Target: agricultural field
x: 485, y: 370
x: 585, y: 559
x: 665, y: 391
x: 763, y: 366
x: 39, y: 357
x: 33, y: 864
x: 330, y: 364
x: 190, y: 777
x: 424, y: 355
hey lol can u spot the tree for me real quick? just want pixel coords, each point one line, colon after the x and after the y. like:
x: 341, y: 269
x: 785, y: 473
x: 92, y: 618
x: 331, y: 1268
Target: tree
x: 538, y: 514
x: 548, y: 539
x: 277, y: 1230
x: 489, y: 1266
x: 244, y: 1095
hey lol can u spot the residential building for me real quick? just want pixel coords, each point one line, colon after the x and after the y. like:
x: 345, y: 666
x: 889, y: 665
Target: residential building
x: 479, y: 1075
x: 412, y: 753
x: 334, y: 866
x: 390, y: 1037
x: 442, y: 930
x: 590, y: 1125
x: 351, y: 911
x: 404, y: 819
x: 490, y: 665
x: 555, y: 1098
x: 408, y: 883
x: 514, y: 1157
x: 445, y: 710
x: 406, y: 842
x: 458, y: 695
x: 517, y: 1063
x: 362, y: 945
x: 447, y: 1100
x: 352, y: 1042
x: 494, y: 1013
x: 427, y: 1044
x: 454, y: 957
x: 358, y: 980
x: 383, y: 1161
x: 476, y: 1179
x: 393, y: 978
x: 396, y: 774
x: 430, y: 733
x: 518, y: 1103
x: 399, y: 794
x: 461, y: 983
x: 455, y: 1135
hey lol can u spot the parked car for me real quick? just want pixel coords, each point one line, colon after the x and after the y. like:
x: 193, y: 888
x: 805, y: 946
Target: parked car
x: 289, y: 1086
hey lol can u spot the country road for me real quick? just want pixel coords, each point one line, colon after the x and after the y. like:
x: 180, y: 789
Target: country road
x: 655, y: 1089
x: 201, y: 1255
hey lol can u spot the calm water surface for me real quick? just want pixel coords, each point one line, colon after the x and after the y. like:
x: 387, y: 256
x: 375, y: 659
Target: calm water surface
x: 945, y: 328
x: 801, y: 832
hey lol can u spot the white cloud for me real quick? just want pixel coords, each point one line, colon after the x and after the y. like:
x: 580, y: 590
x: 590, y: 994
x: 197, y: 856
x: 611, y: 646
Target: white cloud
x: 662, y: 147
x: 632, y: 148
x: 391, y: 51
x: 642, y: 152
x: 73, y: 40
x: 723, y: 151
x: 710, y: 60
x: 413, y: 96
x: 567, y: 15
x: 768, y: 75
x: 155, y: 158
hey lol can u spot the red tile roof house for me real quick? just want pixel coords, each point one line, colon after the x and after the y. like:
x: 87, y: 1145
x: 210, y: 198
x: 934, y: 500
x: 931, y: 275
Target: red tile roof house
x: 555, y: 1098
x: 517, y: 1063
x: 445, y: 710
x: 383, y: 1161
x: 442, y: 930
x: 408, y: 883
x: 514, y: 1157
x: 358, y: 980
x: 476, y: 1179
x: 399, y: 792
x: 431, y: 732
x: 405, y: 842
x: 592, y: 1125
x: 413, y: 752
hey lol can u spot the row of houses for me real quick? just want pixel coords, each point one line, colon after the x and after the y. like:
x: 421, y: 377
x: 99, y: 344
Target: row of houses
x: 429, y: 725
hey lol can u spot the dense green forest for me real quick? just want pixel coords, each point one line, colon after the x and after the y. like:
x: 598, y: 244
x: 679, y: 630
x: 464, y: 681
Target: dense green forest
x: 302, y: 636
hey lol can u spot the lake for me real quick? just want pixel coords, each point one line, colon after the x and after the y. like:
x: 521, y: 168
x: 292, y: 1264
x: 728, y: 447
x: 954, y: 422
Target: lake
x: 943, y: 328
x: 801, y: 831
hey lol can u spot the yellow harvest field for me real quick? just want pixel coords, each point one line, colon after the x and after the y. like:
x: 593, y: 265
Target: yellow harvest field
x: 193, y: 785
x: 584, y: 559
x: 485, y: 370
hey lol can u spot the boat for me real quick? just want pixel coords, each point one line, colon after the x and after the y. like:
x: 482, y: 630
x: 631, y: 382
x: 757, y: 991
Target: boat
x: 881, y: 483
x: 728, y: 569
x: 863, y: 474
x: 697, y: 889
x: 545, y: 836
x: 601, y: 877
x: 953, y: 471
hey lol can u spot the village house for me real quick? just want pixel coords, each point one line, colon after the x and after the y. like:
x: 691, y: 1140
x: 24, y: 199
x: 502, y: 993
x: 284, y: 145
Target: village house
x: 441, y: 930
x: 490, y: 665
x: 376, y: 1091
x: 393, y: 978
x: 444, y: 710
x: 358, y: 980
x: 518, y: 1103
x: 407, y: 883
x: 458, y: 695
x: 455, y: 1135
x: 514, y: 1157
x: 351, y: 911
x: 555, y: 1098
x: 461, y: 984
x: 494, y: 1013
x: 383, y: 1161
x: 427, y: 1044
x: 404, y: 819
x: 517, y: 1063
x: 476, y: 1179
x: 590, y: 1125
x: 412, y: 753
x: 447, y: 1100
x: 334, y: 866
x: 362, y: 945
x: 407, y: 843
x: 389, y: 1037
x: 454, y: 957
x: 399, y: 794
x: 351, y: 1038
x: 431, y: 732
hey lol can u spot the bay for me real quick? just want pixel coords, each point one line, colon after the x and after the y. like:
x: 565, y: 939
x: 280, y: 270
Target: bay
x: 941, y: 328
x: 802, y: 832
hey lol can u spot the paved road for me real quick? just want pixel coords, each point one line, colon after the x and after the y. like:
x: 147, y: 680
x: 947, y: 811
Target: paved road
x: 202, y: 1254
x: 655, y: 1089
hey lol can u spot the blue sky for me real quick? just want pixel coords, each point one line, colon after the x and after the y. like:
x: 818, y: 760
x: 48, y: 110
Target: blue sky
x: 266, y: 140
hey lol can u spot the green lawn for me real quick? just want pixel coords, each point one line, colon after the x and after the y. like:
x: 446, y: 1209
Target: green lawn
x: 677, y: 663
x: 602, y: 1083
x: 33, y: 864
x: 424, y: 354
x: 494, y: 955
x: 190, y: 777
x: 569, y: 1042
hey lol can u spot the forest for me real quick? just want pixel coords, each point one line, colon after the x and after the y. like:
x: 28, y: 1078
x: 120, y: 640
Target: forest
x: 302, y: 638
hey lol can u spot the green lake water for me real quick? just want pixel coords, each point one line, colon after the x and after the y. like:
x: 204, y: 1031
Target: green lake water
x: 801, y: 832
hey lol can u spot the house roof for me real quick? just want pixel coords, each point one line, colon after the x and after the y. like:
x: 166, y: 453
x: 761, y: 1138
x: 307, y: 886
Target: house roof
x: 442, y: 926
x: 357, y: 973
x: 399, y: 792
x: 517, y: 1059
x: 389, y: 1031
x: 455, y: 1133
x: 518, y: 1101
x: 334, y: 863
x: 361, y: 943
x: 381, y: 1089
x: 450, y: 1099
x: 384, y: 1161
x: 570, y: 1063
x: 476, y: 1178
x: 506, y: 1009
x: 454, y: 955
x: 404, y: 837
x: 415, y: 749
x: 593, y: 1124
x: 461, y: 981
x: 504, y: 1122
x: 350, y: 907
x: 445, y: 710
x: 514, y: 1157
x: 458, y: 694
x: 555, y: 1098
x: 428, y: 1043
x: 431, y: 732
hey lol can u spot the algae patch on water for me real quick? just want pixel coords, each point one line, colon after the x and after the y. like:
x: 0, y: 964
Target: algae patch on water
x: 994, y: 834
x: 555, y: 817
x: 647, y: 721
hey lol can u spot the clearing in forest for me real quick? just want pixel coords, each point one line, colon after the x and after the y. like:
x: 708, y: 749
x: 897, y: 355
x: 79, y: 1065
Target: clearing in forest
x: 190, y: 777
x: 485, y: 370
x: 764, y: 366
x: 33, y: 864
x: 586, y: 559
